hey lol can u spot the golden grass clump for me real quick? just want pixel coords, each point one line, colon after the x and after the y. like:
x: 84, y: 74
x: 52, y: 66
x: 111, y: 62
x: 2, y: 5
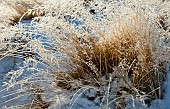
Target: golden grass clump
x: 125, y: 52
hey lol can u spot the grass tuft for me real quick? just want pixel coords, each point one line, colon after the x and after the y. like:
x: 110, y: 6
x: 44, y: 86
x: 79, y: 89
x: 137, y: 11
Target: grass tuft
x: 126, y: 52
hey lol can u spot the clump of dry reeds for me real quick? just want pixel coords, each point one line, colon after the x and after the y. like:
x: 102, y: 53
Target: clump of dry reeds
x: 126, y: 52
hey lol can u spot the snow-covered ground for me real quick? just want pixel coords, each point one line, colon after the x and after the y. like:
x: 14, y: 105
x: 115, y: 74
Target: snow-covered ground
x: 165, y: 102
x: 8, y: 64
x: 84, y: 99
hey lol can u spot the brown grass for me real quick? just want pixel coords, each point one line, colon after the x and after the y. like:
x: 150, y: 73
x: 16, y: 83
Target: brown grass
x: 126, y: 52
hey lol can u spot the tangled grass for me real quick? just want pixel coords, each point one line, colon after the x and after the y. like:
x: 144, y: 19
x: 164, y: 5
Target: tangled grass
x: 126, y: 52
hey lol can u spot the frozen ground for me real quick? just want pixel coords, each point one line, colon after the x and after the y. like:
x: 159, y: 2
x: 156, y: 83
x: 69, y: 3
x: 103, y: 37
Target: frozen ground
x: 163, y: 104
x: 86, y: 98
x: 8, y: 64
